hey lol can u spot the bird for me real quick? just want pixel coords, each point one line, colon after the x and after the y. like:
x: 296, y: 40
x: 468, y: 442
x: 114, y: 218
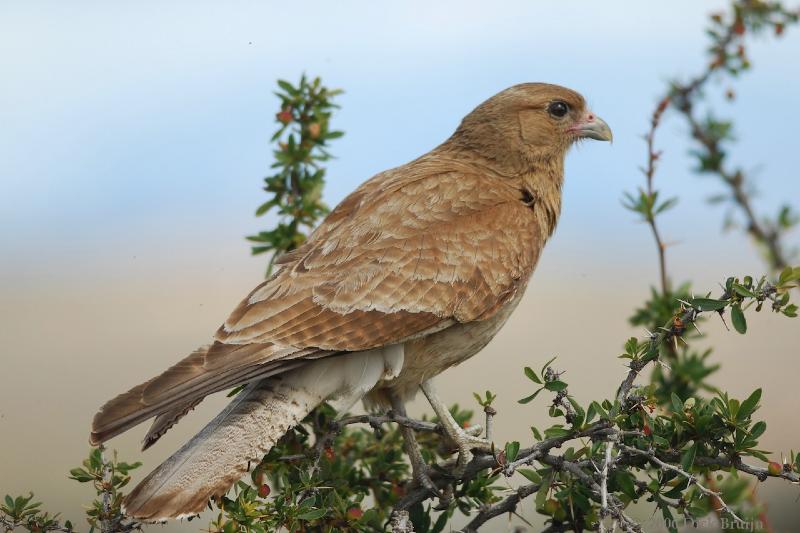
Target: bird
x: 412, y: 273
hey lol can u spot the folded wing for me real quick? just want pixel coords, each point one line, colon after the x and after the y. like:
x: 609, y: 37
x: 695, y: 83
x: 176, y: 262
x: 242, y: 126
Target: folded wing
x: 411, y: 251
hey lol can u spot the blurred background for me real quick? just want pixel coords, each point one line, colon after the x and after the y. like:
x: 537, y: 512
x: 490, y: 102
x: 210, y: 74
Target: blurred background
x: 134, y: 141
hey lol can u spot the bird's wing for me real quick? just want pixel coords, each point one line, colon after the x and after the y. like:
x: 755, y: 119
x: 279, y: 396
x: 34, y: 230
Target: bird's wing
x: 402, y: 256
x: 411, y: 251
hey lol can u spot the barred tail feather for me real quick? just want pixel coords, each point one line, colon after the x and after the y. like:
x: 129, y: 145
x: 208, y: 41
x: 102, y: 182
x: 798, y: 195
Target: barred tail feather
x: 214, y: 459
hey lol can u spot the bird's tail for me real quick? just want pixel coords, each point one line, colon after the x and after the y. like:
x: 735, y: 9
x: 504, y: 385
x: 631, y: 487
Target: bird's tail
x: 214, y: 459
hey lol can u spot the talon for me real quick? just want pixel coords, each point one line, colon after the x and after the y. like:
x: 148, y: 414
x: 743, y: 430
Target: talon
x: 445, y: 499
x: 422, y: 479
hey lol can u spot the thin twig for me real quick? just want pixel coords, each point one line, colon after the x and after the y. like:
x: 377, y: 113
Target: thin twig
x: 690, y: 478
x: 506, y: 505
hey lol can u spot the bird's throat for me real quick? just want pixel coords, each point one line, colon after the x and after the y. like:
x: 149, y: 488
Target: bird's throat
x: 543, y: 184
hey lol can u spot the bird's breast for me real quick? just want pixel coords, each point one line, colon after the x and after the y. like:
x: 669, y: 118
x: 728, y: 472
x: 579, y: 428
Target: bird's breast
x: 431, y: 355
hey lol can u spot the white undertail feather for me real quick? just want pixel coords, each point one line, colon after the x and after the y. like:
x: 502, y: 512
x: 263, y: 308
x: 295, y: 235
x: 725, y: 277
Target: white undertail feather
x: 214, y: 459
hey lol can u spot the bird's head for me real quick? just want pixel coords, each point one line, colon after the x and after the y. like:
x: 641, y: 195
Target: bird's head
x: 529, y: 123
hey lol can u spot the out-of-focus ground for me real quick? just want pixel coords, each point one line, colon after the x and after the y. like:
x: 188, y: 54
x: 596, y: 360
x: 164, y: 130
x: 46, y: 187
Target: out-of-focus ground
x: 134, y: 142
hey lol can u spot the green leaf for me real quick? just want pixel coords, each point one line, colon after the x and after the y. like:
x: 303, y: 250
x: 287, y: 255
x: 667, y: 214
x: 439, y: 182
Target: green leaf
x: 789, y: 274
x: 737, y: 317
x: 441, y: 523
x: 313, y: 514
x: 546, y: 365
x: 556, y: 431
x: 555, y: 386
x: 80, y: 475
x: 286, y: 86
x: 307, y: 503
x: 625, y: 482
x: 669, y: 203
x: 687, y: 459
x: 677, y: 404
x: 530, y: 398
x: 591, y: 412
x: 530, y: 475
x: 749, y: 405
x: 669, y: 518
x: 661, y: 441
x: 708, y: 304
x: 743, y: 291
x: 758, y: 429
x: 598, y: 409
x: 512, y: 449
x: 580, y: 414
x: 266, y: 206
x: 532, y: 375
x: 541, y: 495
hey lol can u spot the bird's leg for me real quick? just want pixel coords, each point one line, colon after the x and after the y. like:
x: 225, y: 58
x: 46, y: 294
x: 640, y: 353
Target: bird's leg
x: 411, y: 447
x: 463, y: 440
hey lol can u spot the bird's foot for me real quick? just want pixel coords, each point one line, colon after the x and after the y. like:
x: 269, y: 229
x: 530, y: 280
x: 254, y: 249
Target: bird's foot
x: 466, y: 443
x: 464, y: 439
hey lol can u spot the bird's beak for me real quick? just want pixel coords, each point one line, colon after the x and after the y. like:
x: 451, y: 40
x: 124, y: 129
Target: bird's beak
x: 593, y: 127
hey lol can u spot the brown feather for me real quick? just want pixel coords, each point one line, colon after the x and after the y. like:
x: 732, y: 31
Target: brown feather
x: 432, y: 256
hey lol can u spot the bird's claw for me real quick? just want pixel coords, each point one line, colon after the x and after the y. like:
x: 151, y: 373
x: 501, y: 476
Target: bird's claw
x: 422, y: 479
x: 445, y: 499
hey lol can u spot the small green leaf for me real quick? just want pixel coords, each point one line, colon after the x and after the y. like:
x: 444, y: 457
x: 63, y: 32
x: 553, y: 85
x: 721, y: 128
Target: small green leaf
x: 748, y: 406
x: 286, y: 86
x: 737, y: 317
x: 708, y: 304
x: 591, y: 412
x: 687, y: 459
x: 530, y: 475
x: 546, y: 365
x: 556, y: 431
x: 555, y: 386
x: 758, y: 429
x: 512, y: 449
x: 741, y: 290
x: 80, y: 475
x: 532, y: 375
x: 313, y: 514
x: 530, y: 398
x: 660, y: 441
x: 625, y: 482
x: 677, y: 404
x: 541, y: 495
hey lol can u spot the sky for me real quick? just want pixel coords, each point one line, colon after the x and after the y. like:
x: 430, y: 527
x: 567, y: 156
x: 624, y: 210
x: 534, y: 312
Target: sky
x: 134, y: 138
x: 126, y: 122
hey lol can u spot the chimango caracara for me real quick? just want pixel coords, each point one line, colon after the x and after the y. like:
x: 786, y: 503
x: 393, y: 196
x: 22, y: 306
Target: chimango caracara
x: 412, y: 273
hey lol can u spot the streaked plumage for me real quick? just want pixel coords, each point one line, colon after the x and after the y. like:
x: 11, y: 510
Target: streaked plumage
x: 413, y: 272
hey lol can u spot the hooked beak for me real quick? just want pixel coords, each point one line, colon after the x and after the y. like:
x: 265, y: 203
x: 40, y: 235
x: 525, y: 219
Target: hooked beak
x: 593, y: 127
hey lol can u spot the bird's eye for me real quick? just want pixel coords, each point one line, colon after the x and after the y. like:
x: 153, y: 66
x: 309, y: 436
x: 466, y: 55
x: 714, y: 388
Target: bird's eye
x: 558, y: 109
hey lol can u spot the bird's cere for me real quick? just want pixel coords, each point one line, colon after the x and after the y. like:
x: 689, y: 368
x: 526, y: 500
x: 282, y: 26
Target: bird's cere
x: 593, y: 127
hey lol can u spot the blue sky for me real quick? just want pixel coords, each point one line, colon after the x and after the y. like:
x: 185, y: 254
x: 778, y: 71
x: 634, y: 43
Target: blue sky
x: 134, y: 124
